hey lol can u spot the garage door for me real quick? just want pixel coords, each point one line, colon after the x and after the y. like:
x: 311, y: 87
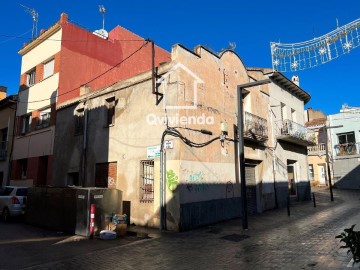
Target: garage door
x: 250, y: 188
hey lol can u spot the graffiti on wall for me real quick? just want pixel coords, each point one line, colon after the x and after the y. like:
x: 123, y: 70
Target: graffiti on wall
x: 171, y: 180
x: 196, y: 183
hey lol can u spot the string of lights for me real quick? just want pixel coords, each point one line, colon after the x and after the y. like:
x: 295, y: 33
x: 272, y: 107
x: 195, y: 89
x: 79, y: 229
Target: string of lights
x: 312, y: 53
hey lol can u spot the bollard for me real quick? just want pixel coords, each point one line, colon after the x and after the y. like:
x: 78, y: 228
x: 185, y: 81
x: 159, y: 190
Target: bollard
x: 314, y: 201
x: 288, y: 205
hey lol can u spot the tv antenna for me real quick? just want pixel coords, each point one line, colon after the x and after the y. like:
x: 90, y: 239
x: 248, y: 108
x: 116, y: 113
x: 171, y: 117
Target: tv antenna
x: 102, y: 10
x: 312, y: 53
x: 35, y: 17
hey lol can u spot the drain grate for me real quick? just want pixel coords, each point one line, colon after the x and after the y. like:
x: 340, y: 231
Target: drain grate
x: 235, y: 237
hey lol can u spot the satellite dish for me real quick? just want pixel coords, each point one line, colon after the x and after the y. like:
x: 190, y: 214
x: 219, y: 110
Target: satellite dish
x: 101, y: 33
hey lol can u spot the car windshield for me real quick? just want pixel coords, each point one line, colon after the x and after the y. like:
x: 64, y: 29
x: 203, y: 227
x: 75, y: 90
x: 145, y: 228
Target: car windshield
x: 21, y: 192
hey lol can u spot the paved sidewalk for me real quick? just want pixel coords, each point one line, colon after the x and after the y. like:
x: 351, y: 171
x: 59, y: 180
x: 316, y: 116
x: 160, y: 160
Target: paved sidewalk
x: 305, y: 240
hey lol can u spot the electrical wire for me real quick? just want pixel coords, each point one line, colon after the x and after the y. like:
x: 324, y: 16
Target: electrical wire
x: 14, y: 37
x: 60, y: 40
x: 93, y: 79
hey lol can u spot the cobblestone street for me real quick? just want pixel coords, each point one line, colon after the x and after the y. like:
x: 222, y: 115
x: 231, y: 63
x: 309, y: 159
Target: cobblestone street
x: 305, y: 240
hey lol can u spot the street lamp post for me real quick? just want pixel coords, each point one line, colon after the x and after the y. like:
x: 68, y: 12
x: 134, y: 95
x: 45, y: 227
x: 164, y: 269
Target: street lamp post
x: 327, y: 160
x: 240, y: 147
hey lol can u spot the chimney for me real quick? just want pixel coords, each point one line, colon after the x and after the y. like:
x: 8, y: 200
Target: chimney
x: 85, y: 89
x: 295, y: 80
x: 3, y: 90
x: 63, y: 18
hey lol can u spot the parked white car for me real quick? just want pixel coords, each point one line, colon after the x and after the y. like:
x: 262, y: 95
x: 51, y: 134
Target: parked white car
x: 12, y: 201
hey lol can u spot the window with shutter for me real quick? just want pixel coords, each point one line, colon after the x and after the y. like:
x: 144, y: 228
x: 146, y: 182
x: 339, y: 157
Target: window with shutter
x: 48, y: 69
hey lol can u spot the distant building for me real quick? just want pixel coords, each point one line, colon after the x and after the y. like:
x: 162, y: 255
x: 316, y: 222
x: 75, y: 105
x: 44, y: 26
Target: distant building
x: 315, y: 123
x: 345, y: 150
x: 111, y: 138
x: 7, y: 118
x: 64, y: 62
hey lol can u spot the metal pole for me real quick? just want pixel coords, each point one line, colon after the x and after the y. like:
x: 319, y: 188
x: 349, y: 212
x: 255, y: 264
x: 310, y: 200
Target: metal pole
x: 240, y: 147
x: 161, y: 188
x: 328, y: 165
x: 314, y: 201
x: 241, y: 158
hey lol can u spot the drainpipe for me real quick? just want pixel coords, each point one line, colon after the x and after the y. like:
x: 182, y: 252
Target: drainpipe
x: 162, y: 184
x: 153, y: 67
x: 14, y: 130
x: 84, y: 150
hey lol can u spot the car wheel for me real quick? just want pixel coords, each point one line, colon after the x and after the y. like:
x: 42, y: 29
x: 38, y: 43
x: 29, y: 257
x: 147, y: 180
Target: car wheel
x: 5, y: 215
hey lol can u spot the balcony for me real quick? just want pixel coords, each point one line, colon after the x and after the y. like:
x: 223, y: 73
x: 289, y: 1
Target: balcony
x: 317, y: 150
x: 347, y: 149
x: 255, y: 128
x: 3, y: 150
x: 292, y: 132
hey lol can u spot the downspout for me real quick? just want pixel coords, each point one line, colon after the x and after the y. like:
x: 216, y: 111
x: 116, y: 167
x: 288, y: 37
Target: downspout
x: 14, y: 131
x: 84, y: 150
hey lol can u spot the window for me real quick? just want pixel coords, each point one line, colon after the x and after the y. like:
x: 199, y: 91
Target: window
x: 79, y: 121
x: 23, y: 168
x: 44, y: 118
x: 31, y: 77
x: 283, y: 111
x: 26, y: 124
x: 147, y: 180
x: 110, y: 114
x: 293, y: 115
x: 345, y: 138
x: 311, y: 172
x: 48, y: 69
x: 73, y: 179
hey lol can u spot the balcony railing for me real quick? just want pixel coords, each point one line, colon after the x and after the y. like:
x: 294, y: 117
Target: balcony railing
x: 3, y: 150
x: 255, y: 127
x: 347, y: 149
x: 294, y: 133
x: 317, y: 149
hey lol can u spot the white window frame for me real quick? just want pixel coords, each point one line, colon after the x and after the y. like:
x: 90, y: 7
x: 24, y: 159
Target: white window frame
x: 31, y: 77
x: 49, y: 68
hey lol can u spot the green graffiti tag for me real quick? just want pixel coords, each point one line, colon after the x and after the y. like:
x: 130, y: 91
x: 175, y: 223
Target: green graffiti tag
x: 171, y: 180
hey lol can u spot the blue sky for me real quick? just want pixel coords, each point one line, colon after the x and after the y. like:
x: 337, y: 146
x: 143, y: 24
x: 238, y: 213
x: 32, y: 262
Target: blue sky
x: 250, y: 24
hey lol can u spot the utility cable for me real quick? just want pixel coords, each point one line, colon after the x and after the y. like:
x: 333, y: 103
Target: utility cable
x: 93, y: 79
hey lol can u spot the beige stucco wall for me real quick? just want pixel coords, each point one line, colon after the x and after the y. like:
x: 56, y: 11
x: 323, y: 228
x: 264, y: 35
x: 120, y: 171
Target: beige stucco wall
x: 34, y: 144
x: 202, y: 174
x: 39, y: 95
x: 42, y: 52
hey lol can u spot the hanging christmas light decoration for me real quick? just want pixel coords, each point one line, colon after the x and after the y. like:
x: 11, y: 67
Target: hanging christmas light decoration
x: 312, y: 53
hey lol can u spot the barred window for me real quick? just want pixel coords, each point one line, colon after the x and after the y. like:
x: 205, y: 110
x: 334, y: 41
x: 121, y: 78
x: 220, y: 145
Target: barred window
x: 147, y: 180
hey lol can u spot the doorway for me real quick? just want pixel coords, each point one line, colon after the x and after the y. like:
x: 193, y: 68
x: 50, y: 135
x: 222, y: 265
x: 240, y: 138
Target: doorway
x: 291, y: 178
x: 322, y: 174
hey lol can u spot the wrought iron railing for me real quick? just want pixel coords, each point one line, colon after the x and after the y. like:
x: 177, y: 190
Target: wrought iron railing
x: 315, y: 149
x: 255, y: 126
x: 288, y: 127
x: 346, y: 149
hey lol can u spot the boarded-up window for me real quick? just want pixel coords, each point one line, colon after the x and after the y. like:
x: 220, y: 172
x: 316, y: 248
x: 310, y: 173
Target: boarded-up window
x: 105, y: 174
x: 79, y: 121
x: 110, y: 112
